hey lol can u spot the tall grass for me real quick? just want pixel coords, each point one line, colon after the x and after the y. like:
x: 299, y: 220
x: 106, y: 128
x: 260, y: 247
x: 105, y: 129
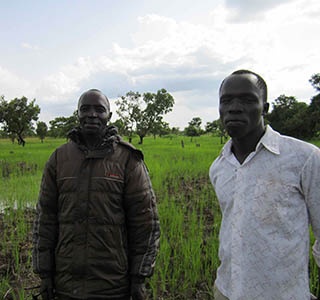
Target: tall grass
x: 188, y: 209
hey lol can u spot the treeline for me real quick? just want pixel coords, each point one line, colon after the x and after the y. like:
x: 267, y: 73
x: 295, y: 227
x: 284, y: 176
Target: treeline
x: 142, y: 115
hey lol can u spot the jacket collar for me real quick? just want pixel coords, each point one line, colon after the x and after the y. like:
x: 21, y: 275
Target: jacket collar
x: 105, y: 146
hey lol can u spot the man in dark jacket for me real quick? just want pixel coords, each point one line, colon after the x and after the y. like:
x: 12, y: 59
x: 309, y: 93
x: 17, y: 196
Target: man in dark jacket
x: 96, y: 232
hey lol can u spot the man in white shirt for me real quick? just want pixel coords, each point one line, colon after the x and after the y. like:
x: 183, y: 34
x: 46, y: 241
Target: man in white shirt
x: 268, y: 187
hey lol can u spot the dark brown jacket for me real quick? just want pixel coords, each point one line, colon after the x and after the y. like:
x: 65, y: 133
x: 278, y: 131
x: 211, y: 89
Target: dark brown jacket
x: 97, y: 222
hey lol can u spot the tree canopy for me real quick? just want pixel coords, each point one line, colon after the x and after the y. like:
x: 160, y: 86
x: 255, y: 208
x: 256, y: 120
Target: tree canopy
x: 17, y: 116
x: 297, y: 119
x: 144, y: 112
x: 194, y: 128
x: 41, y: 130
x: 315, y: 81
x: 314, y: 116
x: 216, y: 127
x: 60, y: 126
x: 128, y: 111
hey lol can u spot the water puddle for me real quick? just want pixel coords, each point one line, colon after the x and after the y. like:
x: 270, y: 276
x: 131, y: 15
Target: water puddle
x: 6, y: 205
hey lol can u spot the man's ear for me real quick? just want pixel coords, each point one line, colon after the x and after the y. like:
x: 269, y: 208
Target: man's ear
x: 110, y: 115
x: 265, y: 108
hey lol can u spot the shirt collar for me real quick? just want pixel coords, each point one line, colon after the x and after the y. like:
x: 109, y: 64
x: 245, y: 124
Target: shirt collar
x: 226, y: 150
x: 270, y: 140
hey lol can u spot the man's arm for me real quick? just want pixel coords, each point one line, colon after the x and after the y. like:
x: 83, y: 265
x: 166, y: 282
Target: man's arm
x: 311, y: 189
x: 45, y: 229
x: 142, y: 221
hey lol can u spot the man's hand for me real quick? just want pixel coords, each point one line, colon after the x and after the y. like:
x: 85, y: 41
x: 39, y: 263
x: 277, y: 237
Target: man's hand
x: 138, y: 289
x: 47, y: 288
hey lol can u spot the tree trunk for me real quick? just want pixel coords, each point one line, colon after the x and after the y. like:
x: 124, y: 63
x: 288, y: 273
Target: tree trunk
x: 130, y: 139
x: 141, y: 139
x: 21, y: 140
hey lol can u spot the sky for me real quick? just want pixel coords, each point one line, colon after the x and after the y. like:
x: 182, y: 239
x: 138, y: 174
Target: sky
x: 53, y: 51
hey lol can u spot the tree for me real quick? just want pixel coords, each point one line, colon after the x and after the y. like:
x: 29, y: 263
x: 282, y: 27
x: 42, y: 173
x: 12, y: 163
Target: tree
x: 314, y: 107
x: 191, y: 131
x: 196, y: 122
x: 164, y: 129
x: 290, y: 117
x: 17, y: 116
x: 194, y: 128
x: 142, y: 112
x: 175, y: 130
x: 314, y: 115
x: 157, y: 105
x: 128, y: 111
x: 282, y: 111
x: 299, y: 123
x: 41, y: 130
x: 60, y: 126
x: 3, y: 134
x: 160, y: 128
x: 120, y: 126
x: 315, y: 81
x: 211, y: 127
x: 216, y: 127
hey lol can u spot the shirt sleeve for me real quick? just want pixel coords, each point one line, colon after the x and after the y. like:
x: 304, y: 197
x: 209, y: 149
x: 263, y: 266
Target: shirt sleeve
x: 311, y: 189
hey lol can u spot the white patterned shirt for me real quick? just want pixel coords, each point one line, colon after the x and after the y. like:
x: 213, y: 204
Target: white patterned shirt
x: 267, y: 204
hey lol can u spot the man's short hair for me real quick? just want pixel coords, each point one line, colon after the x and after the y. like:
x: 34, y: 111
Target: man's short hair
x: 260, y: 83
x: 96, y: 91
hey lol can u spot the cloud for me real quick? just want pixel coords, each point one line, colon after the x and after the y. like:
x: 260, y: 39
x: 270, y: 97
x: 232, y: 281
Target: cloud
x: 189, y: 104
x: 13, y: 86
x: 28, y: 46
x: 190, y: 60
x: 184, y: 57
x: 249, y: 10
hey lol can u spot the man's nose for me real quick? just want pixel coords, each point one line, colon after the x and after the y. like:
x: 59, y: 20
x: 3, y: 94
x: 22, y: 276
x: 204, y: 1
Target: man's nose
x: 235, y: 106
x: 92, y: 113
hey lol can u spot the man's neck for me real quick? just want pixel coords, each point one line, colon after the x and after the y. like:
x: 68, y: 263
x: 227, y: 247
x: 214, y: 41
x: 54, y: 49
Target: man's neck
x: 242, y: 147
x: 92, y: 141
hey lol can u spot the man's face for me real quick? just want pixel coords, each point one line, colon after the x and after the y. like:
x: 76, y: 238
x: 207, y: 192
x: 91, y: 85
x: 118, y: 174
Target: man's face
x: 241, y: 105
x: 93, y: 113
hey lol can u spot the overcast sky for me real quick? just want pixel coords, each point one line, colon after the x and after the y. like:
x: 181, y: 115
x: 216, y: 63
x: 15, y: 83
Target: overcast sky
x: 55, y: 50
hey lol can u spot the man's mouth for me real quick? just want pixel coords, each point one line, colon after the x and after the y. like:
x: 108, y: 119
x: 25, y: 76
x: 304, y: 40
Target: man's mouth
x: 234, y: 122
x: 91, y: 124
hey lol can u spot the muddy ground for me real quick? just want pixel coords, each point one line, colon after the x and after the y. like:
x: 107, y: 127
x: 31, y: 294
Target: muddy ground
x: 19, y: 275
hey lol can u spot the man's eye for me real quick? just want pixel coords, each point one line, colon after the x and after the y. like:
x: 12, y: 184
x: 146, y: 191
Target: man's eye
x: 83, y: 108
x: 100, y: 109
x: 247, y: 99
x: 225, y: 100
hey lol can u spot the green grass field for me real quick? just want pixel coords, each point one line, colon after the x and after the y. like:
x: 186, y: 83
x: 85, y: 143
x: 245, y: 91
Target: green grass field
x: 188, y: 209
